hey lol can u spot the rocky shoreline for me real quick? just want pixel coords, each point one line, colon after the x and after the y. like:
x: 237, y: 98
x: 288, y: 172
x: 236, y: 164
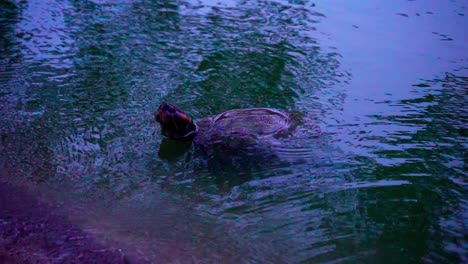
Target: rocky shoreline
x: 32, y: 231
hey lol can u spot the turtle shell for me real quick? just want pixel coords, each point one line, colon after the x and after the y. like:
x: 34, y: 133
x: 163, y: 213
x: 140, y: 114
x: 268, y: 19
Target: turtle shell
x: 256, y: 122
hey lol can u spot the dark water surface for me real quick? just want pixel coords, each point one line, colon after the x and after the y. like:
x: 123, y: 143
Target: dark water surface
x: 385, y: 84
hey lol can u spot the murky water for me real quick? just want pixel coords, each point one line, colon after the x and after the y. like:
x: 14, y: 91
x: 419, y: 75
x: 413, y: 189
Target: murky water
x: 375, y: 172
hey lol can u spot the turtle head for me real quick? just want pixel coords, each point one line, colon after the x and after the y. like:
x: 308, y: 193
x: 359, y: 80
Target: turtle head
x: 175, y: 123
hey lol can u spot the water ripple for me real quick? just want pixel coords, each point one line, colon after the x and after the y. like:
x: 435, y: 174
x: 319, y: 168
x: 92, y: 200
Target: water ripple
x: 375, y: 166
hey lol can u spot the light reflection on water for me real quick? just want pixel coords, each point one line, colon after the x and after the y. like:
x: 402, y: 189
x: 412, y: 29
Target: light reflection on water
x: 383, y: 178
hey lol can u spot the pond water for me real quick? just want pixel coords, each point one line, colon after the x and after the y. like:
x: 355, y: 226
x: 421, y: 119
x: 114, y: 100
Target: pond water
x: 385, y: 84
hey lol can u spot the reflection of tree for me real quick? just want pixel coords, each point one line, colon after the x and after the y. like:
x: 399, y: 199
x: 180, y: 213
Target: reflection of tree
x: 256, y: 54
x: 423, y: 220
x: 236, y: 79
x: 87, y: 67
x: 12, y: 83
x: 9, y: 16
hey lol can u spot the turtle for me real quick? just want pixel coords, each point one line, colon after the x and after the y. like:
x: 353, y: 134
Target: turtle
x: 246, y: 125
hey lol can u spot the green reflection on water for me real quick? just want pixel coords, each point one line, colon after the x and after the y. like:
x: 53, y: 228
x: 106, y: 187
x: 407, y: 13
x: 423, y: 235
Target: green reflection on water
x: 78, y: 96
